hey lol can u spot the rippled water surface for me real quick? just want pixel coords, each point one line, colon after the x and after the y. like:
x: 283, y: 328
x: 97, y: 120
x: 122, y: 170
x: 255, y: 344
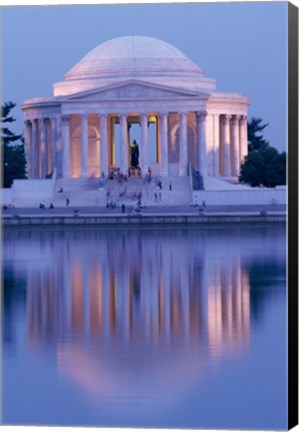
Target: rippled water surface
x: 157, y: 328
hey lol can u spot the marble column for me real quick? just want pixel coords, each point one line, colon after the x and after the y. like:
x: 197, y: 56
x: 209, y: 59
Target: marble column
x: 103, y: 145
x: 111, y: 149
x: 59, y: 146
x: 144, y: 145
x: 158, y: 140
x: 235, y: 159
x: 183, y: 145
x: 225, y: 124
x: 43, y: 148
x: 243, y: 144
x: 34, y: 149
x: 216, y: 145
x: 66, y: 146
x: 84, y: 145
x: 202, y: 149
x: 28, y: 146
x: 53, y: 144
x: 123, y: 144
x: 164, y: 144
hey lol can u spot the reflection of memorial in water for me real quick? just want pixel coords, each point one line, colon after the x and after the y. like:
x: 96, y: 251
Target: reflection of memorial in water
x: 141, y: 321
x: 151, y: 293
x: 126, y: 324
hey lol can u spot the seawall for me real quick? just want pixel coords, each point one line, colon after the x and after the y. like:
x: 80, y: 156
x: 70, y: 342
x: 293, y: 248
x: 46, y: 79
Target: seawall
x: 142, y: 220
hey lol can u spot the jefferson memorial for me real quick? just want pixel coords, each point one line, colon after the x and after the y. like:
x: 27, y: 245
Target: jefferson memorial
x: 139, y: 88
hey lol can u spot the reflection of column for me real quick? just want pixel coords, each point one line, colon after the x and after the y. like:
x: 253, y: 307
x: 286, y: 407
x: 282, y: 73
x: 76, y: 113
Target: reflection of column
x: 28, y: 146
x: 84, y: 145
x: 66, y: 146
x: 104, y: 269
x: 185, y: 287
x: 166, y: 303
x: 96, y: 299
x: 104, y: 146
x: 123, y: 144
x: 183, y: 145
x: 160, y: 305
x: 126, y: 305
x: 245, y: 287
x: 236, y: 288
x: 214, y: 312
x: 77, y: 298
x: 35, y: 151
x: 164, y: 144
x: 235, y: 145
x: 228, y: 310
x: 112, y: 303
x: 144, y: 145
x: 86, y: 299
x: 146, y: 299
x: 202, y: 150
x: 67, y: 285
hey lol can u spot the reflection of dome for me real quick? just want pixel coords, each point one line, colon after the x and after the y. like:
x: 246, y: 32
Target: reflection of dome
x: 133, y: 378
x: 135, y: 56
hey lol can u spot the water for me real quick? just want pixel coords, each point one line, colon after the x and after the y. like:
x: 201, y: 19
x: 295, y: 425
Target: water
x: 156, y: 328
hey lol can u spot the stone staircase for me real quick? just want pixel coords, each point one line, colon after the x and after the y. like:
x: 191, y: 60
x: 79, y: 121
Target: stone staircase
x: 97, y: 192
x: 179, y: 193
x: 80, y: 192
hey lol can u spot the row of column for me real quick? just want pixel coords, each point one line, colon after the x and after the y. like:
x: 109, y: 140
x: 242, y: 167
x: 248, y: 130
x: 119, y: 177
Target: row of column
x: 143, y: 148
x: 233, y: 144
x: 229, y: 138
x: 41, y: 145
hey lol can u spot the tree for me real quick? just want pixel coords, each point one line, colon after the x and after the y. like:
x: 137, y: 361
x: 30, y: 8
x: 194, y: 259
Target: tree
x: 276, y: 170
x: 252, y: 170
x: 266, y: 167
x: 256, y: 141
x: 13, y: 153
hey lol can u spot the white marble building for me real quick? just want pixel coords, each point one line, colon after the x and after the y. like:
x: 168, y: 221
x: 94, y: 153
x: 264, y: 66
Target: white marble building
x: 84, y: 129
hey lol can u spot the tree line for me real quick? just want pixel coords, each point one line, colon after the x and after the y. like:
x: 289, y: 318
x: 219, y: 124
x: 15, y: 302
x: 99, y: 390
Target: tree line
x: 263, y: 165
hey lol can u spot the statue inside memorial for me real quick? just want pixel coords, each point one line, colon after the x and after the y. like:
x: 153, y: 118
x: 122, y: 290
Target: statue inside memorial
x: 134, y: 154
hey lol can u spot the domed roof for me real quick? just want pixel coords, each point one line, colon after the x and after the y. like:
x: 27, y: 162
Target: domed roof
x: 133, y: 56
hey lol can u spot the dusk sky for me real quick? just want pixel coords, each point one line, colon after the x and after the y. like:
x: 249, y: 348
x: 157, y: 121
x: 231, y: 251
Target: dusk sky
x: 241, y: 45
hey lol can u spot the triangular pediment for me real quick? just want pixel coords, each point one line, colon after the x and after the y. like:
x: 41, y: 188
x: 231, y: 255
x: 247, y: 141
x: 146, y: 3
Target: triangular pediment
x: 134, y: 90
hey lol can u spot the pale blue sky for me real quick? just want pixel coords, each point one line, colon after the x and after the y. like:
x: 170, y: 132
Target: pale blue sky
x: 241, y: 45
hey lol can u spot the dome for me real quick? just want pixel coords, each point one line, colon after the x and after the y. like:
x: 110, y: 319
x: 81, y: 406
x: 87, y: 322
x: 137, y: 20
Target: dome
x: 134, y: 56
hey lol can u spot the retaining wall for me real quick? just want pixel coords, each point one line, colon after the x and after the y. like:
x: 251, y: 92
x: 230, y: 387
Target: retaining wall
x: 145, y: 220
x: 241, y: 197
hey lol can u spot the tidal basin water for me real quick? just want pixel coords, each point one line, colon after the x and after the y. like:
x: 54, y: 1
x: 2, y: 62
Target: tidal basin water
x: 156, y: 327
